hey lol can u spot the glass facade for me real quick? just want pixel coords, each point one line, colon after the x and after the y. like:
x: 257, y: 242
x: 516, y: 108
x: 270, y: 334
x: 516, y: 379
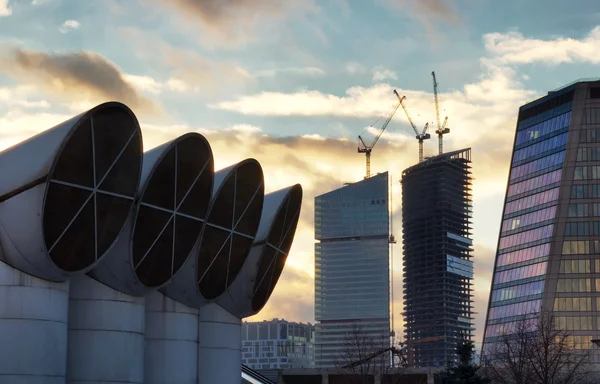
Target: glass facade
x: 437, y: 265
x: 277, y: 344
x: 548, y: 253
x: 351, y: 266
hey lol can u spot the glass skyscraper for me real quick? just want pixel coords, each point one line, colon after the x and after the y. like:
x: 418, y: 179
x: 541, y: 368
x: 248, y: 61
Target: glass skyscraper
x: 548, y: 256
x: 351, y: 267
x: 437, y: 265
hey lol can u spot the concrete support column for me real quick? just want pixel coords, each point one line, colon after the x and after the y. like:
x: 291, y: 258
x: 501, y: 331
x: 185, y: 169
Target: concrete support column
x: 106, y: 334
x: 219, y: 346
x: 33, y: 328
x: 171, y: 352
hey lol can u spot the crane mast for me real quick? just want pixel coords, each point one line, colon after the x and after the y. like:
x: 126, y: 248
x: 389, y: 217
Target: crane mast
x: 441, y: 128
x: 367, y: 149
x: 421, y: 136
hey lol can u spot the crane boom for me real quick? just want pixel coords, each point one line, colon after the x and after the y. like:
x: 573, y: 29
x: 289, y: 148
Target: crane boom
x: 441, y: 128
x: 420, y: 136
x: 367, y: 149
x: 437, y: 104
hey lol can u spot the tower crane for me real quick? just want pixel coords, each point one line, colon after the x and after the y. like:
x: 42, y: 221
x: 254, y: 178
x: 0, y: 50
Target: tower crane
x: 441, y: 128
x: 367, y: 149
x: 420, y: 136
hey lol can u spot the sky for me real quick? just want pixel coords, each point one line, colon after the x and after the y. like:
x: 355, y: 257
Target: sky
x: 294, y: 83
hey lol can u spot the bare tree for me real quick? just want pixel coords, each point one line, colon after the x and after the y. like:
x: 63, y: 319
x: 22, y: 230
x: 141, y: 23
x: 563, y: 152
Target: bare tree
x: 536, y: 351
x: 365, y: 354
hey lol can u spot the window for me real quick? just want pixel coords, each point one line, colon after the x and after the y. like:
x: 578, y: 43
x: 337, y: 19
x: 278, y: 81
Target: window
x: 579, y: 192
x: 531, y: 201
x: 574, y: 285
x: 578, y: 210
x: 577, y: 229
x: 592, y: 116
x: 579, y: 247
x: 577, y: 304
x: 522, y: 255
x: 575, y: 266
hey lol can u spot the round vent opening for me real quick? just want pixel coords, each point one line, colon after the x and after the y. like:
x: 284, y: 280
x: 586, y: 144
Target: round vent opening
x: 230, y: 228
x: 275, y: 250
x: 91, y: 187
x: 172, y: 210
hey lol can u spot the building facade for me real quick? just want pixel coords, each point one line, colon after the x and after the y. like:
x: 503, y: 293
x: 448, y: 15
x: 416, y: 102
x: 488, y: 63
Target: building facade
x: 351, y: 268
x: 437, y: 265
x: 547, y: 258
x: 277, y: 344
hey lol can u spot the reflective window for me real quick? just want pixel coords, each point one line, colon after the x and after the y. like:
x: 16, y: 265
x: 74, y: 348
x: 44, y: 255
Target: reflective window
x: 514, y: 309
x: 584, y: 210
x: 534, y: 183
x: 574, y: 323
x: 592, y: 116
x: 531, y: 201
x: 579, y: 191
x: 579, y: 247
x: 528, y: 219
x: 514, y: 292
x: 575, y: 266
x: 526, y: 237
x: 524, y: 255
x: 588, y: 154
x: 537, y: 165
x: 591, y: 172
x: 543, y: 128
x: 581, y: 228
x: 574, y: 285
x: 575, y: 304
x: 496, y: 330
x: 579, y: 342
x: 520, y: 273
x: 541, y: 147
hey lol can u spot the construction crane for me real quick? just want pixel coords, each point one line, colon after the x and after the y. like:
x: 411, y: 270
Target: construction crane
x: 441, y: 128
x: 420, y: 136
x: 367, y: 149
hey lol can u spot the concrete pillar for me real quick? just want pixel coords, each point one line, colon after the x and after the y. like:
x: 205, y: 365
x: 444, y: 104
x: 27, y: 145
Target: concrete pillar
x: 171, y: 352
x: 33, y: 328
x: 106, y: 334
x: 219, y: 346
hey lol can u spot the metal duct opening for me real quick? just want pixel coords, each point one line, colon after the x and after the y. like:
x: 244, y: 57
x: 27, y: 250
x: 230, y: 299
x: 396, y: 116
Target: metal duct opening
x: 172, y: 210
x: 276, y: 248
x: 91, y: 188
x: 230, y: 228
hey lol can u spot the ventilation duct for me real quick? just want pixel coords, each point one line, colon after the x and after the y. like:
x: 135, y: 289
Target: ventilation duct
x: 65, y: 195
x: 252, y: 288
x: 229, y: 232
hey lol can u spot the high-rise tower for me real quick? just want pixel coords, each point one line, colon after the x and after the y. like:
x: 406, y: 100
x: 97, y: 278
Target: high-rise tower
x: 351, y: 268
x: 547, y: 258
x: 437, y: 245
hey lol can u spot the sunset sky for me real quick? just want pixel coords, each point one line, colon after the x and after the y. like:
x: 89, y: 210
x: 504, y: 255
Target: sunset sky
x: 293, y: 85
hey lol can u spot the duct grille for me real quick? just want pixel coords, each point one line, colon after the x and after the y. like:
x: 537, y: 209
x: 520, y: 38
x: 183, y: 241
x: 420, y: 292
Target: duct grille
x: 91, y: 188
x: 230, y: 229
x: 276, y: 248
x: 172, y: 210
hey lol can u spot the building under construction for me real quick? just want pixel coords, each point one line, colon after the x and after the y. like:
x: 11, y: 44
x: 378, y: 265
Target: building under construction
x: 437, y: 245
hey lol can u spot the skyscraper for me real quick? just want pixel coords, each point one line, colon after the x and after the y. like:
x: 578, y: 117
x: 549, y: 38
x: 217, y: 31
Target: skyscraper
x: 351, y: 267
x: 438, y: 270
x: 547, y: 258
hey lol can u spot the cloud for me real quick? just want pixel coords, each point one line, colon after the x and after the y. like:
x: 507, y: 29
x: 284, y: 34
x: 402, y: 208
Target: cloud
x: 381, y: 73
x: 69, y: 26
x: 78, y: 76
x: 425, y: 10
x: 302, y: 71
x: 354, y: 68
x: 186, y: 69
x: 514, y: 48
x: 4, y: 8
x: 237, y: 20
